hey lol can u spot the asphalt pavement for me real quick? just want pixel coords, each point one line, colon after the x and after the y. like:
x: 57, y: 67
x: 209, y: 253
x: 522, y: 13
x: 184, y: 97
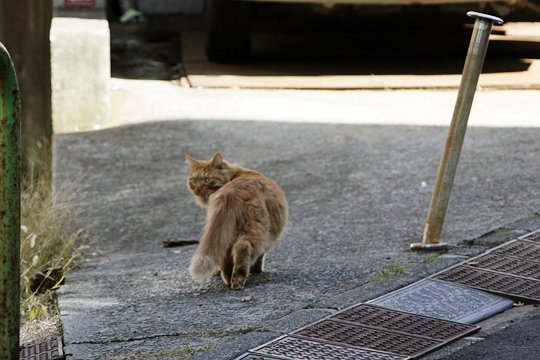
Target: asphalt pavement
x: 508, y: 336
x: 358, y: 195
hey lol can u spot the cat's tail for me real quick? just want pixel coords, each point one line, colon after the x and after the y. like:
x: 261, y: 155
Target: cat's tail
x: 219, y: 234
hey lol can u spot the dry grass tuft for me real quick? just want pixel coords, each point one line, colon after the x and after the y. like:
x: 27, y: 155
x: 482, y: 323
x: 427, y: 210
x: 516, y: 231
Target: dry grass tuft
x: 49, y: 243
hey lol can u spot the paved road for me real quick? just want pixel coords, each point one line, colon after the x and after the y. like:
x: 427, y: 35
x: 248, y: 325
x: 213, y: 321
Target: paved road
x: 518, y: 341
x: 358, y: 195
x: 512, y: 335
x: 358, y: 168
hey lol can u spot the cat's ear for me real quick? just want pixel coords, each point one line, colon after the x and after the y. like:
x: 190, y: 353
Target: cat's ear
x: 218, y: 162
x: 191, y: 161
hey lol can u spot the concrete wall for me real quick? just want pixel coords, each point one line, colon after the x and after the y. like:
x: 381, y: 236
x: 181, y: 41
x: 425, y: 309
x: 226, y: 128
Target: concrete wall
x: 80, y: 64
x: 80, y: 59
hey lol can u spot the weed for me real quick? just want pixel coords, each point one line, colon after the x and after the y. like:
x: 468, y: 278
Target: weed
x: 389, y: 271
x: 432, y: 259
x: 503, y: 229
x: 204, y: 348
x: 120, y: 339
x: 48, y: 244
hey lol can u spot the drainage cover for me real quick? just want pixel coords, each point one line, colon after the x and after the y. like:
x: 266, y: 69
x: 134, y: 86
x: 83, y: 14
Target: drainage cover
x: 363, y: 336
x: 507, y: 264
x: 399, y: 321
x: 292, y: 347
x: 516, y: 287
x: 366, y: 337
x: 49, y: 350
x: 444, y: 300
x: 526, y: 250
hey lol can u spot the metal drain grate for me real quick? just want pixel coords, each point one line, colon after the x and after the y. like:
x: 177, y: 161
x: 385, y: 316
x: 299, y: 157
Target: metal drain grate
x: 520, y: 288
x: 523, y: 249
x: 52, y: 349
x: 507, y: 264
x: 291, y: 347
x: 370, y: 338
x: 393, y: 320
x: 365, y: 332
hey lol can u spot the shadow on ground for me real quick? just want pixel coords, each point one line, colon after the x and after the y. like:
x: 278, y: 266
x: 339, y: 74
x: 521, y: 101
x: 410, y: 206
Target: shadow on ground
x: 358, y: 196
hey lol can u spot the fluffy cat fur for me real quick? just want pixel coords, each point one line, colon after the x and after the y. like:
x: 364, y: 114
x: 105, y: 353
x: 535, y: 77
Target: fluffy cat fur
x: 246, y: 214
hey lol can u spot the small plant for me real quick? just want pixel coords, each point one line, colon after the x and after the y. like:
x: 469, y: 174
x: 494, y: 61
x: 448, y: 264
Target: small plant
x: 432, y: 259
x: 48, y: 242
x: 503, y: 229
x: 389, y: 271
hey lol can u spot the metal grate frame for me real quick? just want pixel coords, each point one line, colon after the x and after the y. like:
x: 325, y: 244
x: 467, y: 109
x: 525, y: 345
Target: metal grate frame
x: 52, y: 349
x: 253, y: 356
x: 535, y: 236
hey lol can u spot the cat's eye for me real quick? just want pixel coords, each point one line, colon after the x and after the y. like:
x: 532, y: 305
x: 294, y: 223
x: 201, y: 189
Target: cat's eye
x: 206, y: 180
x: 192, y: 181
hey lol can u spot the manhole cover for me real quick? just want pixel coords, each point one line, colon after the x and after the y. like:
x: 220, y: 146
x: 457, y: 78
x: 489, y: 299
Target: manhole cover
x: 49, y: 350
x: 444, y: 300
x: 535, y: 235
x: 291, y: 347
x: 399, y: 321
x: 524, y: 289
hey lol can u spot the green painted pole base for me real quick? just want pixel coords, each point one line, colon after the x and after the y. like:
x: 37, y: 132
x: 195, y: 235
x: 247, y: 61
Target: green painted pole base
x: 10, y: 210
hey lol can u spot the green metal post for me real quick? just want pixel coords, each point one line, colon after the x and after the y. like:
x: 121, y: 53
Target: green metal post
x: 10, y: 210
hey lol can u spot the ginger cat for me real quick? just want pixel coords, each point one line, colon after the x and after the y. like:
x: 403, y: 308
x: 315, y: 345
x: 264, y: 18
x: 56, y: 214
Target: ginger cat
x: 246, y: 214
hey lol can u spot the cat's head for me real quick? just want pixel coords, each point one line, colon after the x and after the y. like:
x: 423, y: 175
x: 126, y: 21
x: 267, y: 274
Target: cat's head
x: 207, y: 176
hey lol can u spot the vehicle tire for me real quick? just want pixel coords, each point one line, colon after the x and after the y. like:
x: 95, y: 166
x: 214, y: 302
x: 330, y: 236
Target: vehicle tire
x: 229, y: 30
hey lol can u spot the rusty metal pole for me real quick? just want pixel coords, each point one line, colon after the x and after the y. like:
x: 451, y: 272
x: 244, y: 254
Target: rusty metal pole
x: 449, y: 161
x: 10, y: 195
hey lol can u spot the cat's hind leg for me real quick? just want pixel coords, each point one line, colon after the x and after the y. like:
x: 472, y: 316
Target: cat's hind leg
x: 258, y: 265
x: 241, y: 253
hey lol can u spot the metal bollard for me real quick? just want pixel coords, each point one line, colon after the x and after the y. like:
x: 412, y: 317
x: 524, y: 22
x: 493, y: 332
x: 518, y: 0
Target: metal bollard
x: 447, y: 168
x: 10, y: 195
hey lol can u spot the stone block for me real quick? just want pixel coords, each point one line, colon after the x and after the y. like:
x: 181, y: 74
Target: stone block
x: 81, y: 72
